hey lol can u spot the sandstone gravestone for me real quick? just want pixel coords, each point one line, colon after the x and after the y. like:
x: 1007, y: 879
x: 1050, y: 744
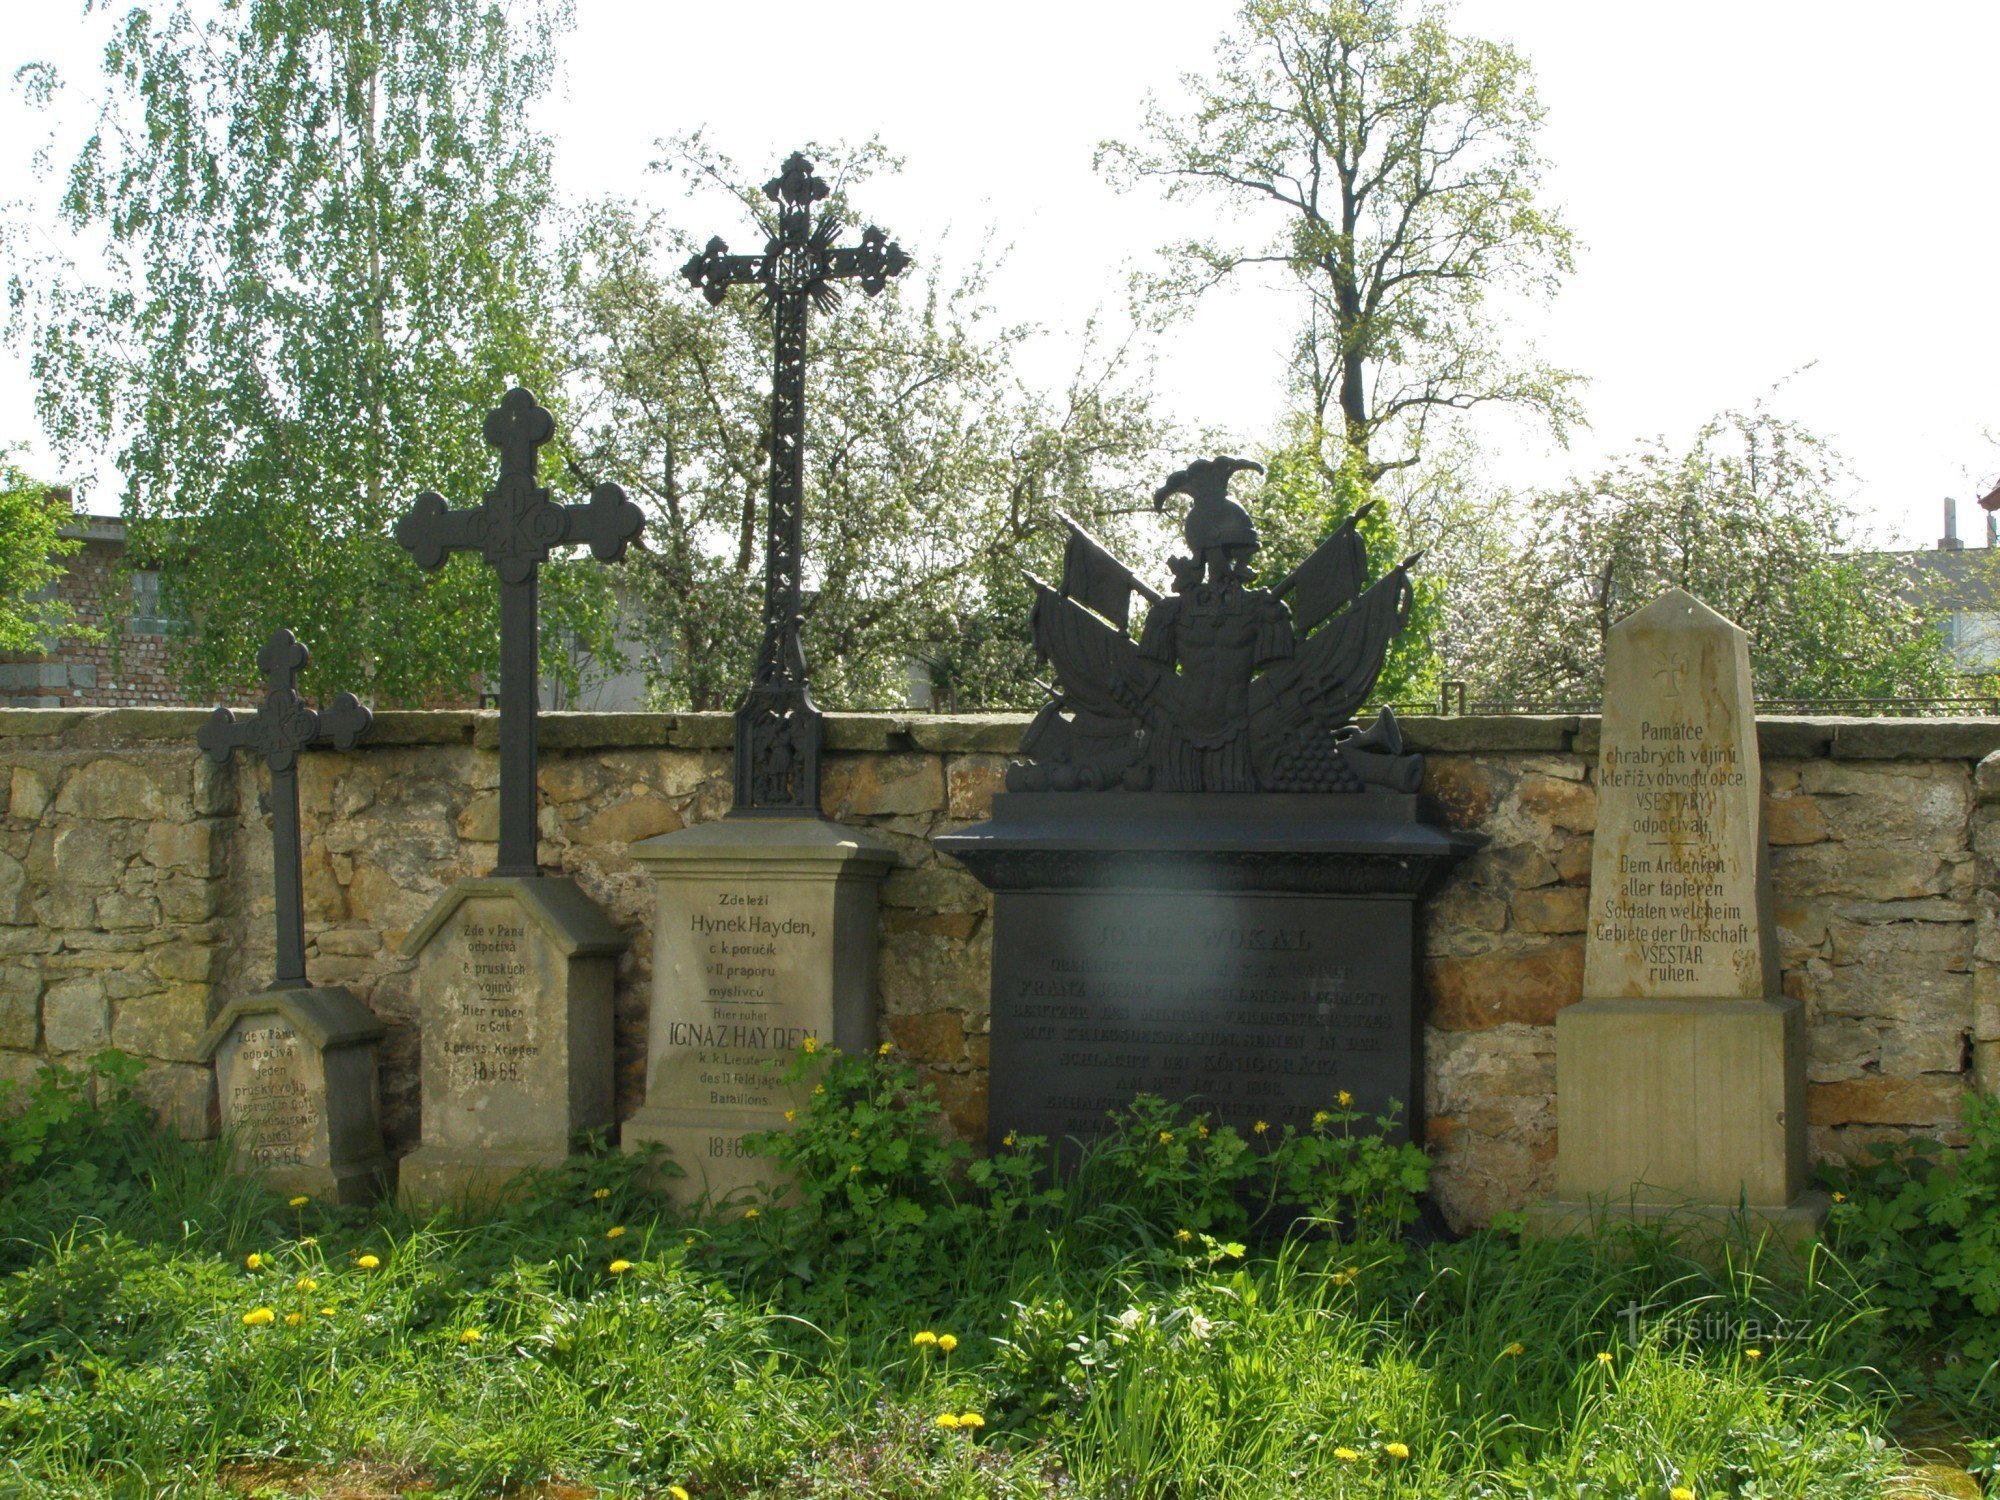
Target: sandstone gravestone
x: 515, y: 979
x: 1680, y: 1076
x: 764, y: 935
x: 295, y: 1071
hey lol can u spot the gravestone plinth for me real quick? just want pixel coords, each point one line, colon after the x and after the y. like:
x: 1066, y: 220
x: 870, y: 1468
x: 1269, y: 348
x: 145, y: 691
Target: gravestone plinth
x: 1253, y: 955
x: 764, y: 935
x: 1680, y: 1076
x: 514, y: 988
x: 295, y: 1074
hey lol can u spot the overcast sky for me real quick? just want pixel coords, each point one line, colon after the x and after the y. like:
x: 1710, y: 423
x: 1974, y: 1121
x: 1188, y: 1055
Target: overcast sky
x: 1760, y: 186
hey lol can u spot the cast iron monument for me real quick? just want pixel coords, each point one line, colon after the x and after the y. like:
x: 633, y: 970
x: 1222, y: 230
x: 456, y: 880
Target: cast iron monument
x: 515, y: 969
x: 294, y: 1062
x: 1206, y: 873
x: 778, y: 730
x: 765, y: 926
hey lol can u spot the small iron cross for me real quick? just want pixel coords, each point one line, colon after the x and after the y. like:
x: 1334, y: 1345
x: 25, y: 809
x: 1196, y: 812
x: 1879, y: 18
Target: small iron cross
x: 778, y: 730
x: 515, y: 528
x: 280, y: 728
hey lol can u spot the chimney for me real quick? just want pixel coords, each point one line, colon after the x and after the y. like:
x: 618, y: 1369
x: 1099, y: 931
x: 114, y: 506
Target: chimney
x: 1949, y: 542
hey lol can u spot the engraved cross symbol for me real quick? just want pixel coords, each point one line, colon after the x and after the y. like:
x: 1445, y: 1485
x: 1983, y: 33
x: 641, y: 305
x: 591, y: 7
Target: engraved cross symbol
x: 778, y: 730
x: 515, y: 528
x: 280, y: 728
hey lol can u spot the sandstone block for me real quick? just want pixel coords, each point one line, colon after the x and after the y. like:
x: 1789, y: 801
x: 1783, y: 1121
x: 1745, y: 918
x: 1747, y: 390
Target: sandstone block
x: 1569, y: 805
x: 976, y: 734
x: 182, y: 1095
x: 76, y: 1016
x: 181, y: 846
x: 934, y: 1037
x: 1930, y: 1101
x: 28, y: 795
x: 167, y: 1026
x: 1525, y: 985
x: 13, y: 887
x: 107, y: 789
x: 1551, y: 909
x: 88, y: 857
x: 970, y: 783
x: 20, y: 1005
x: 121, y: 913
x: 875, y: 785
x: 629, y: 821
x: 1461, y: 790
x: 1793, y: 820
x: 185, y: 962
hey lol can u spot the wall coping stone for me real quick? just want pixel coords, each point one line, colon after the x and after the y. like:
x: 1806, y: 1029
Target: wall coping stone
x: 1779, y: 737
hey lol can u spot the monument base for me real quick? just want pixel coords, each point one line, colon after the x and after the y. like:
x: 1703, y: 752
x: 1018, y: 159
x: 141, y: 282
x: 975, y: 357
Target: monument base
x: 1795, y: 1223
x: 1676, y: 1102
x: 296, y: 1078
x: 1252, y: 955
x: 514, y: 989
x: 764, y: 935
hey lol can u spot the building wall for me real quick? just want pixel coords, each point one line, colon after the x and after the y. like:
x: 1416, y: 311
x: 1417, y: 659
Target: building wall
x: 135, y: 878
x: 127, y: 668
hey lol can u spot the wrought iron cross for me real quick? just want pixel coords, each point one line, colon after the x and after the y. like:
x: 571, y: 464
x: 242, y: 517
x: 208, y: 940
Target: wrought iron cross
x: 515, y: 528
x: 778, y: 729
x: 280, y: 728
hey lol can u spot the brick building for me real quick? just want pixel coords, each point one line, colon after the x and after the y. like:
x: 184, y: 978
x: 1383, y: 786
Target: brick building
x: 126, y: 667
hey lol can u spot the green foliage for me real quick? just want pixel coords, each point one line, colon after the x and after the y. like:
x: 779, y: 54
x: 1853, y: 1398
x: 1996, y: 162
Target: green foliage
x: 31, y: 549
x: 321, y: 227
x: 1398, y: 168
x: 1923, y: 1227
x: 934, y: 471
x: 1749, y: 521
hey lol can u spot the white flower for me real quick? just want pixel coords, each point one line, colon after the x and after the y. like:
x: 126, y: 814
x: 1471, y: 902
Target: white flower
x: 1130, y: 1319
x: 1199, y: 1328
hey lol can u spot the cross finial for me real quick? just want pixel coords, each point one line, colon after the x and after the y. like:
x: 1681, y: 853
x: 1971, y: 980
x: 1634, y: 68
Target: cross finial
x: 518, y: 426
x: 795, y: 183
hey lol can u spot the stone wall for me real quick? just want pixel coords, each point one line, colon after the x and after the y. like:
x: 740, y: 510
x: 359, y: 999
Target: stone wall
x: 134, y: 895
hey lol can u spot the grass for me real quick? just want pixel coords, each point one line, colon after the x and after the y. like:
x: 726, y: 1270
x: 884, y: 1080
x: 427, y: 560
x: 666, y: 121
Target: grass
x: 144, y: 1352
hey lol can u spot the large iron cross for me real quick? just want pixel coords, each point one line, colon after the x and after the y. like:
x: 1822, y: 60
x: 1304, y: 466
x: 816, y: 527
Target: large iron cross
x: 280, y: 728
x: 515, y: 528
x: 778, y: 730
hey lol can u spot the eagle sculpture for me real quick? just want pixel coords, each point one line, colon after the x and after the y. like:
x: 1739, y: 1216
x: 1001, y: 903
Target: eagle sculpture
x: 1229, y: 687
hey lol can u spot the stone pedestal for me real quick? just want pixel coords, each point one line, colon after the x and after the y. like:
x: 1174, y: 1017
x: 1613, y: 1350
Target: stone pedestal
x: 295, y: 1073
x: 764, y: 935
x: 1253, y: 954
x: 1680, y: 1077
x: 514, y: 994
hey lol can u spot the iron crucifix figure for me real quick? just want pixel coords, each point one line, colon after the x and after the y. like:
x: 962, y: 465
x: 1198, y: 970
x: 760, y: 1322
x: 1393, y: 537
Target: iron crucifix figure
x: 515, y: 528
x: 778, y: 729
x: 280, y: 728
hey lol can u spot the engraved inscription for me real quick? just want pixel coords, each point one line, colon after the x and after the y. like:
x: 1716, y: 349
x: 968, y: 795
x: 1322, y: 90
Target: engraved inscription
x: 492, y: 1037
x: 268, y: 1100
x: 739, y: 1039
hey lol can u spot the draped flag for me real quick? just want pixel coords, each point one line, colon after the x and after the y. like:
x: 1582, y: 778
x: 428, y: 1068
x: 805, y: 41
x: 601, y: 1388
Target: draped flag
x: 1097, y: 580
x: 1329, y: 579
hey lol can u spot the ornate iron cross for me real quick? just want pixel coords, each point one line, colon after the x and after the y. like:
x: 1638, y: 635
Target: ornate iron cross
x: 778, y: 729
x: 280, y: 728
x: 515, y: 528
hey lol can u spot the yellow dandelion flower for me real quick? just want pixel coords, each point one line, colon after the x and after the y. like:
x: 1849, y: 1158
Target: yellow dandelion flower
x: 301, y: 1201
x: 292, y: 1319
x: 1397, y: 1451
x: 601, y: 1194
x: 1343, y: 1098
x: 1183, y: 1235
x: 791, y: 1115
x: 619, y: 1267
x: 368, y: 1262
x: 819, y: 1088
x: 1680, y: 1492
x: 253, y: 1262
x: 1261, y: 1127
x: 947, y: 1342
x: 1346, y: 1455
x: 1604, y: 1356
x: 1321, y: 1117
x: 615, y: 1232
x: 326, y: 1312
x: 1007, y: 1139
x: 1514, y: 1351
x: 258, y: 1317
x: 688, y: 1241
x: 1840, y: 1197
x: 305, y: 1284
x: 885, y: 1049
x: 677, y: 1492
x: 853, y: 1167
x: 1201, y: 1132
x: 1166, y: 1137
x: 971, y: 1419
x: 812, y: 1044
x: 926, y: 1337
x: 947, y: 1419
x: 854, y: 1134
x: 1753, y: 1353
x: 470, y: 1335
x: 749, y: 1213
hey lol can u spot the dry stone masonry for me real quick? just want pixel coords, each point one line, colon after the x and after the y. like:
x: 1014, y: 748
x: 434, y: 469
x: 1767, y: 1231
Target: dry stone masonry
x: 135, y: 886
